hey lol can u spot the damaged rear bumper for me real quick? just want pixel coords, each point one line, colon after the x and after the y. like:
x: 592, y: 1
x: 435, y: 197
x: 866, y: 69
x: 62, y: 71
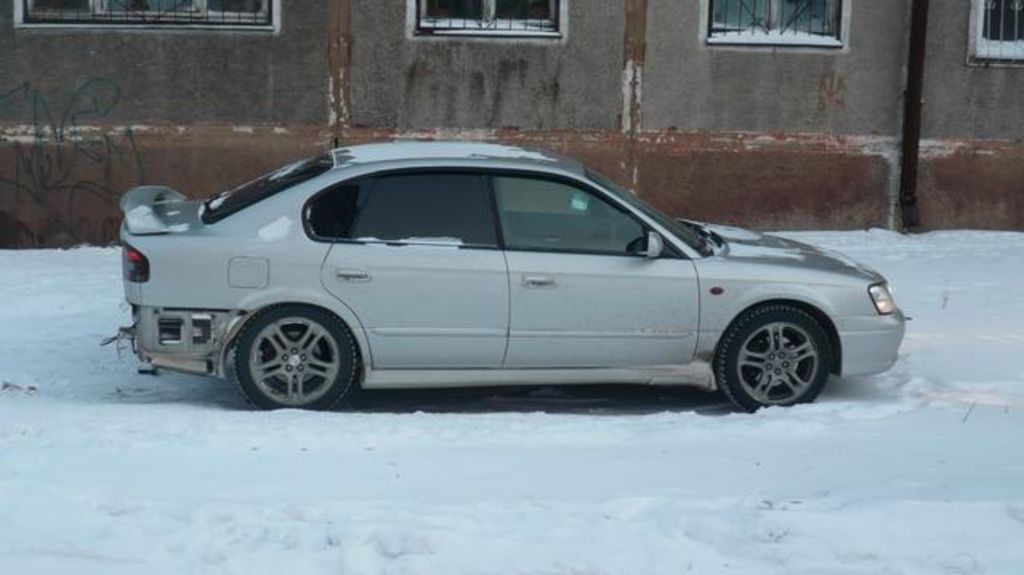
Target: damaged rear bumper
x: 184, y: 340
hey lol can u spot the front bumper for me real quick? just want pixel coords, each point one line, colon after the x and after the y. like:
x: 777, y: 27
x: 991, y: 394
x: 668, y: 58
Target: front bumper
x: 870, y: 344
x: 184, y: 340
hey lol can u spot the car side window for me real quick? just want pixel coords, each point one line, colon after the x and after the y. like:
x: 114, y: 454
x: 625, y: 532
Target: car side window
x: 423, y: 208
x: 540, y: 214
x: 331, y: 214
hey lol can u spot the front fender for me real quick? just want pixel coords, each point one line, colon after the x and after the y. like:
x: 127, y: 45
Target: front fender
x: 719, y: 311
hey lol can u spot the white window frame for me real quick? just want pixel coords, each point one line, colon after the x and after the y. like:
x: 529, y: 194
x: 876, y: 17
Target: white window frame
x: 992, y: 52
x: 745, y: 40
x: 101, y: 8
x: 489, y: 25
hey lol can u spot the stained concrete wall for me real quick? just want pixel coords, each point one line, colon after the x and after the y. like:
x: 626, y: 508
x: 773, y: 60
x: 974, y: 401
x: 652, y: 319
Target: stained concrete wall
x: 768, y: 138
x: 972, y: 165
x: 828, y: 122
x: 407, y: 83
x: 967, y: 101
x: 574, y: 96
x: 690, y: 85
x: 64, y: 193
x: 176, y: 77
x: 87, y: 113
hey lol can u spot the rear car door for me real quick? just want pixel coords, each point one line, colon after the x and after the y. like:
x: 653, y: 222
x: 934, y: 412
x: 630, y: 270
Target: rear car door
x: 582, y: 294
x: 415, y: 256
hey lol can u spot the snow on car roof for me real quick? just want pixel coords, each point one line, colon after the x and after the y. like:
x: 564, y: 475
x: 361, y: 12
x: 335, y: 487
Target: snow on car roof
x: 440, y: 150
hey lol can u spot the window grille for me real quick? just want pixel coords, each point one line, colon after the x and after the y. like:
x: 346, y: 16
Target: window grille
x: 1001, y: 29
x: 776, y: 22
x: 149, y: 12
x: 488, y: 17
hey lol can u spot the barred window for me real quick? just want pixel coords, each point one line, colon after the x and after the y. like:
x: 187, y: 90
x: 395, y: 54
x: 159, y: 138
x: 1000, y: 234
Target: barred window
x: 776, y: 22
x: 489, y: 17
x: 149, y: 12
x: 999, y: 29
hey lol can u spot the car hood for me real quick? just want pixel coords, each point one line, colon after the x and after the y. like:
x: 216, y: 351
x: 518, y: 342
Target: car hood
x: 741, y: 245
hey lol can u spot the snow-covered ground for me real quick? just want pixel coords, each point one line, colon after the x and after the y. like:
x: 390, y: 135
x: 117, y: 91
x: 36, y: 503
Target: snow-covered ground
x: 920, y: 470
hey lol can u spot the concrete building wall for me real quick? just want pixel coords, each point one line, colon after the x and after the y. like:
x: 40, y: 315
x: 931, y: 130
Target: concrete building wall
x: 967, y: 100
x: 416, y: 83
x: 173, y: 76
x: 86, y: 113
x: 826, y: 121
x: 972, y: 169
x: 856, y: 90
x: 763, y: 137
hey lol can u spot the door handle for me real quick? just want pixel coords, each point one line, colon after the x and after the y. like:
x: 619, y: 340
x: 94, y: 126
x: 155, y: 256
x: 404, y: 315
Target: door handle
x: 537, y: 281
x: 353, y: 275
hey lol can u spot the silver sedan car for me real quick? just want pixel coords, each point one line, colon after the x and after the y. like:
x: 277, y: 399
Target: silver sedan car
x: 423, y: 265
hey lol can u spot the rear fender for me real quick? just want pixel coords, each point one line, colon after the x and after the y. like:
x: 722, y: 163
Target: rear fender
x: 258, y: 302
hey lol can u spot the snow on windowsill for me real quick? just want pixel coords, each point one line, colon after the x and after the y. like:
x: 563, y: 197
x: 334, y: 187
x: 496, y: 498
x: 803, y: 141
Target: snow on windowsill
x: 149, y: 26
x: 500, y: 27
x: 999, y: 50
x: 774, y: 38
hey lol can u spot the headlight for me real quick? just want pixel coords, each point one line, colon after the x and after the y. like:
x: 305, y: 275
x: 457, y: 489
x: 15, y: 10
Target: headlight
x: 882, y: 296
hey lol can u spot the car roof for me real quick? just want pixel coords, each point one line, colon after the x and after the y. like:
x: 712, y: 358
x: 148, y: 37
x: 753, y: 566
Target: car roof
x: 454, y: 154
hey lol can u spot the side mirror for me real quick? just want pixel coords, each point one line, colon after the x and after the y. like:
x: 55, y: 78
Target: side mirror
x: 655, y: 245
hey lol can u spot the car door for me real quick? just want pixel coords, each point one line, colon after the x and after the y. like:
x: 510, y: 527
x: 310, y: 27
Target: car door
x: 416, y: 257
x: 582, y: 293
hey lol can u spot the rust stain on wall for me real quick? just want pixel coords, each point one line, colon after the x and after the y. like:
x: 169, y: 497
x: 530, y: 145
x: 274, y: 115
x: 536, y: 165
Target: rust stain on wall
x: 766, y: 181
x: 831, y: 88
x: 64, y: 192
x: 972, y: 184
x: 339, y: 61
x: 633, y: 62
x: 783, y: 187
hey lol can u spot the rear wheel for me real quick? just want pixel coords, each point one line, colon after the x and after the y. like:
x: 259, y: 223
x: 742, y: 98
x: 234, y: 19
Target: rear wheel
x: 295, y: 356
x: 773, y: 355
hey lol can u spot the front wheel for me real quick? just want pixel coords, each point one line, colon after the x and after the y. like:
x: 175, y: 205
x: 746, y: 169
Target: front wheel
x: 295, y: 356
x: 773, y: 355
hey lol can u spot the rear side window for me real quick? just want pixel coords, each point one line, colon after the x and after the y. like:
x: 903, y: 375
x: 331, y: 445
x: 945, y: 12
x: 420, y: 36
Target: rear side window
x: 223, y: 204
x: 420, y: 208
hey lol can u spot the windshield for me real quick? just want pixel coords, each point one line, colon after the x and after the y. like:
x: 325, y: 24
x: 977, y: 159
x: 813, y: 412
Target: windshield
x: 678, y: 229
x: 223, y: 204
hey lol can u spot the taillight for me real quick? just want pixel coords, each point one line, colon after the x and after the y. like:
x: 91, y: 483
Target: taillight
x: 136, y: 265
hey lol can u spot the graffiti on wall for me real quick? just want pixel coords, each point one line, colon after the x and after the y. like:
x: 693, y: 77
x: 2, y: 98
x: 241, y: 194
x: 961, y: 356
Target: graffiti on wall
x: 831, y: 91
x: 66, y: 158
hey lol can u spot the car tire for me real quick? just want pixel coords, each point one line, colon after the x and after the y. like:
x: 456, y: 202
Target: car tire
x: 773, y: 355
x: 296, y: 356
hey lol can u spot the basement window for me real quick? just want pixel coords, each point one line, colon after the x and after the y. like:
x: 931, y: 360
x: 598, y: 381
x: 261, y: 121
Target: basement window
x: 998, y: 30
x: 201, y: 13
x: 489, y: 17
x: 811, y: 23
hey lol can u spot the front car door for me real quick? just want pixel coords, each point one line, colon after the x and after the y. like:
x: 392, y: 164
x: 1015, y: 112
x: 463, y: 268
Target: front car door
x: 415, y: 256
x: 582, y: 293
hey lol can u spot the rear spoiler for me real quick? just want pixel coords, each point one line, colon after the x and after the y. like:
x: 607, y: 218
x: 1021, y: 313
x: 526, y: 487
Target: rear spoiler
x: 150, y: 210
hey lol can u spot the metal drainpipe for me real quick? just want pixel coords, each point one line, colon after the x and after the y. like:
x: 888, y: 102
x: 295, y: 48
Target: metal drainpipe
x: 910, y: 218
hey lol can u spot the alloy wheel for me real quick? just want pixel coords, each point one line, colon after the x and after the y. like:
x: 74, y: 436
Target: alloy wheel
x: 294, y: 360
x: 778, y: 363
